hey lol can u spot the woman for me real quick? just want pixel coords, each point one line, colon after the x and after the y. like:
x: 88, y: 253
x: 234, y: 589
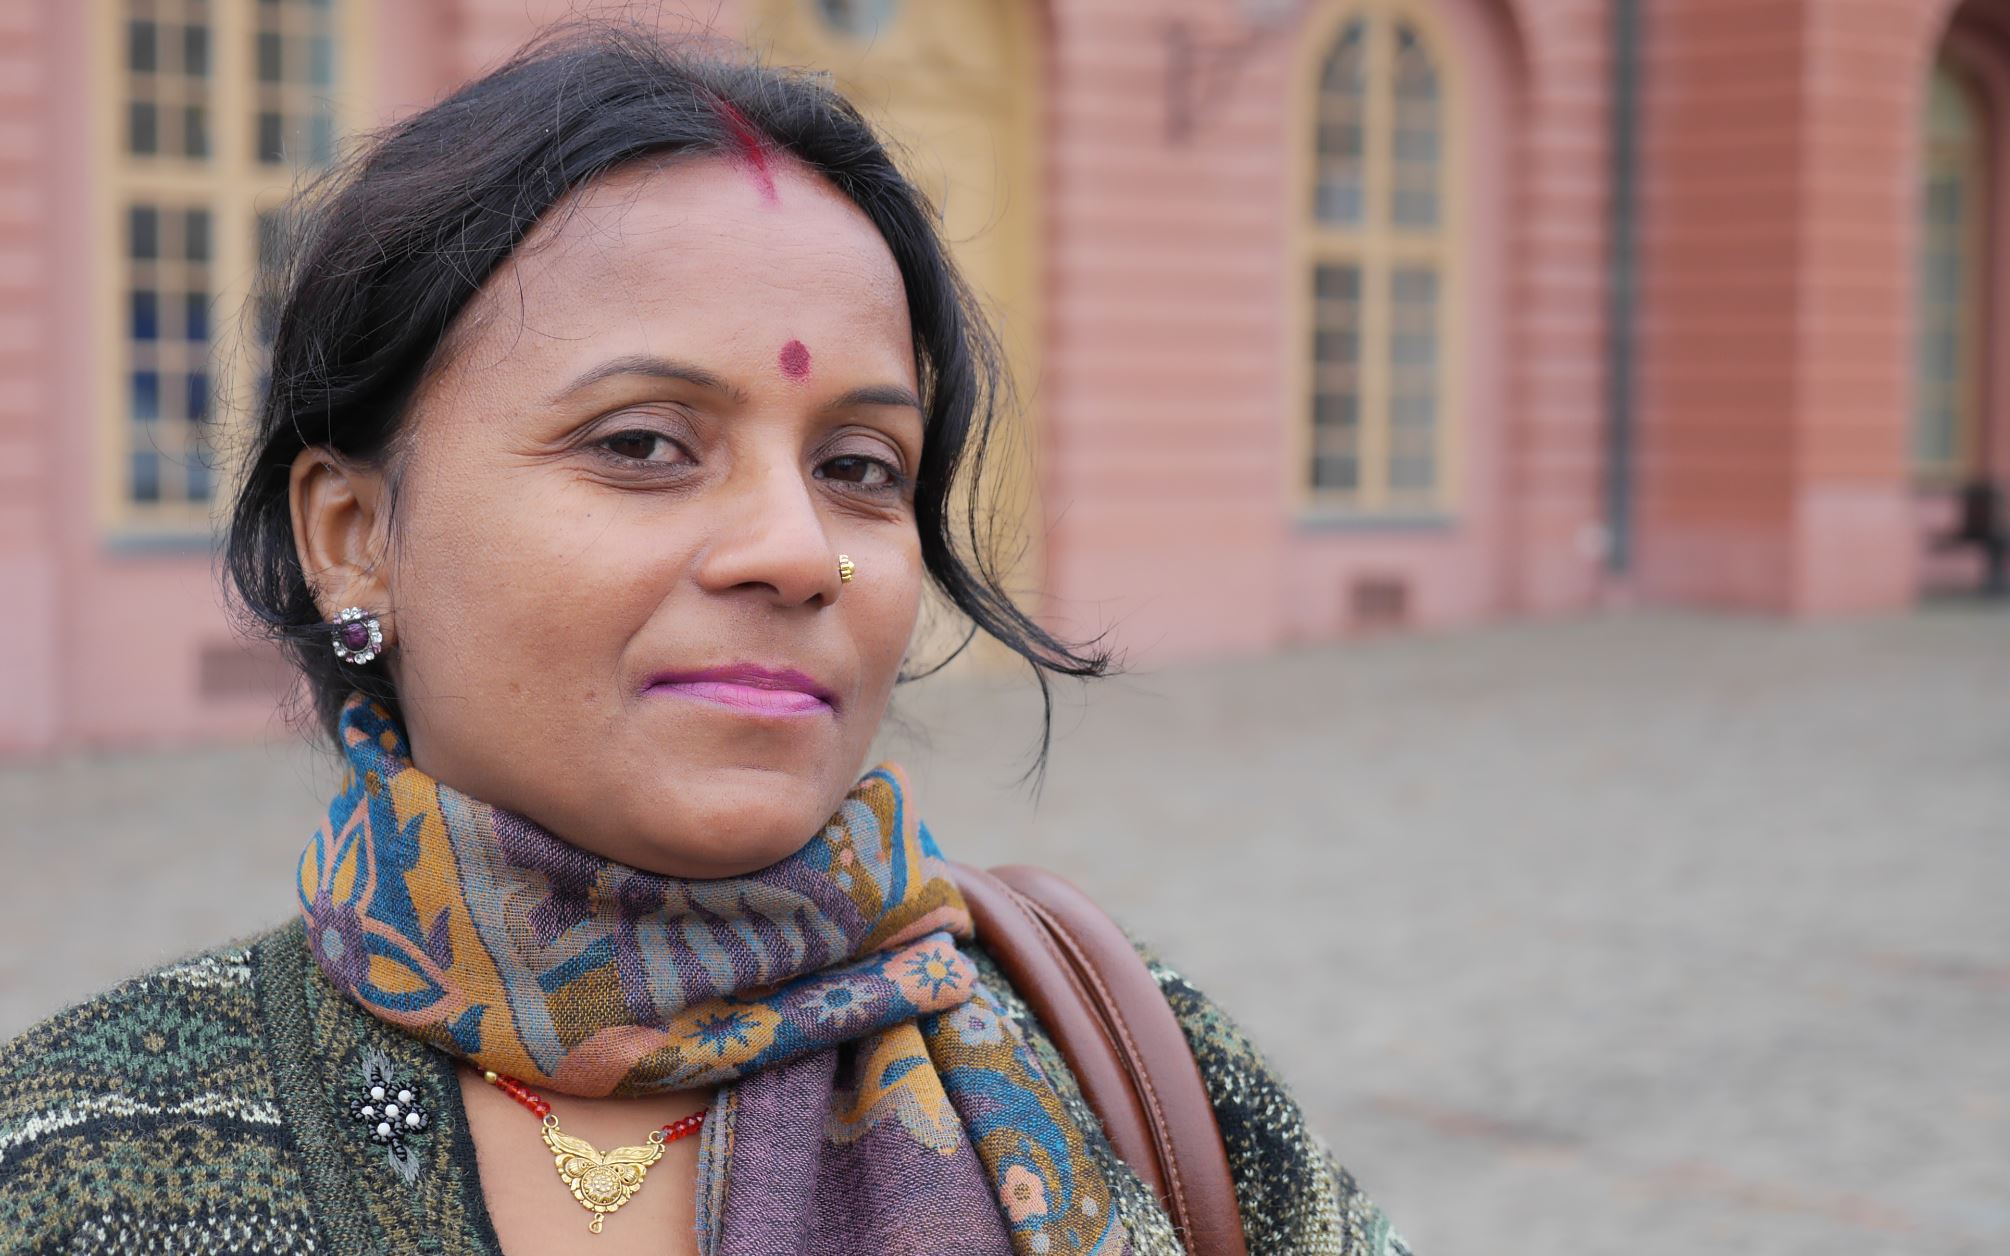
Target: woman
x: 614, y: 406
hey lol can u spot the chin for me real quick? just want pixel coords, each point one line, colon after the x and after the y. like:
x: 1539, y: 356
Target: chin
x: 733, y: 834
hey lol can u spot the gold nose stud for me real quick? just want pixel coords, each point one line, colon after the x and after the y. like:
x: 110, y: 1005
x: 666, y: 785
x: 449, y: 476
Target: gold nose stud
x: 845, y: 569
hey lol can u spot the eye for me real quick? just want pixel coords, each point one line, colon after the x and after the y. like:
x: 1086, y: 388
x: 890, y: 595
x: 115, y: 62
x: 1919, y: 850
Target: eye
x: 860, y: 470
x: 640, y: 445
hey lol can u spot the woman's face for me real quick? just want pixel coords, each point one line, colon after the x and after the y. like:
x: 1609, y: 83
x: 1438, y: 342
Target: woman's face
x: 654, y: 432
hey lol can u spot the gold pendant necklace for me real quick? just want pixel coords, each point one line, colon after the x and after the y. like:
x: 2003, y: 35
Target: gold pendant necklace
x: 601, y: 1181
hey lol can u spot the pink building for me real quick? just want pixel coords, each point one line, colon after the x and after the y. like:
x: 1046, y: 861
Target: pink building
x: 1331, y: 315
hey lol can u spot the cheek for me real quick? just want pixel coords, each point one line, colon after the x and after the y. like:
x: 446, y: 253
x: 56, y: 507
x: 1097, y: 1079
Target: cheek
x: 889, y: 606
x: 509, y: 579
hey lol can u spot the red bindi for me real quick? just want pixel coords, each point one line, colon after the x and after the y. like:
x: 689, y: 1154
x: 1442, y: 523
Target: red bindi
x: 795, y: 360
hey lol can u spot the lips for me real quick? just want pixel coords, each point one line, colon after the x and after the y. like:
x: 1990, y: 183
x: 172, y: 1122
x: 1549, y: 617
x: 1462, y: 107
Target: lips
x: 749, y: 687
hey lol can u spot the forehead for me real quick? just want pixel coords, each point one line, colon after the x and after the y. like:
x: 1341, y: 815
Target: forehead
x: 701, y: 250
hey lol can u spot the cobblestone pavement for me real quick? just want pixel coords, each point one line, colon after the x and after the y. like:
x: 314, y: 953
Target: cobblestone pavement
x: 1637, y: 935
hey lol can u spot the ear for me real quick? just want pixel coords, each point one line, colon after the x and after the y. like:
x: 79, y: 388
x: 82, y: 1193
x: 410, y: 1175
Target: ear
x: 340, y: 533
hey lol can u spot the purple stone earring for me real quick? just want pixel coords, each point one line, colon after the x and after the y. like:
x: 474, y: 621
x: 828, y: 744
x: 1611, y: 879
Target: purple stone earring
x: 358, y: 636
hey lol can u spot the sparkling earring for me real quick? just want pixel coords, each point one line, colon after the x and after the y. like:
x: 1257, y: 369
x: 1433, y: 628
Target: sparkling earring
x: 359, y: 637
x: 845, y: 569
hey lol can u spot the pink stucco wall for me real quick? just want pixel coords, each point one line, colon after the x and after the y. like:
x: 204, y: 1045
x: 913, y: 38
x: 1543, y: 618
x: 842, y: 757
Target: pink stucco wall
x: 1781, y: 160
x: 29, y: 567
x: 107, y: 640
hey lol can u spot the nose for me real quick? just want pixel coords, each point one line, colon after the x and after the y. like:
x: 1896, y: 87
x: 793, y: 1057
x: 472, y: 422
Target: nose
x: 769, y: 535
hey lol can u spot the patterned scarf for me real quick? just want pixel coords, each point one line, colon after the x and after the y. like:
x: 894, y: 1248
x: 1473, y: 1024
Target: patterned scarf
x: 829, y: 982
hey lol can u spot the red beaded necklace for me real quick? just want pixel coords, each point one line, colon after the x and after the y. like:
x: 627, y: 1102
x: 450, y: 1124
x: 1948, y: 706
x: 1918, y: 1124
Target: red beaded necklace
x: 600, y: 1181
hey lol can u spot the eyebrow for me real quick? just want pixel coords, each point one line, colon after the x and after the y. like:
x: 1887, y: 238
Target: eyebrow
x: 654, y: 367
x: 874, y: 395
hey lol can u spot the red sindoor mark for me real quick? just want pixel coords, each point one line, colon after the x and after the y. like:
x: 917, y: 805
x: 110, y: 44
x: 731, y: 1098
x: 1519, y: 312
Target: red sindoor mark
x: 753, y: 150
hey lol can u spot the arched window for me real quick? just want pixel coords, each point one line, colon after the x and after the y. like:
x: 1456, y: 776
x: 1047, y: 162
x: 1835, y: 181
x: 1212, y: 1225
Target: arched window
x: 1947, y: 359
x: 221, y: 105
x: 1377, y: 266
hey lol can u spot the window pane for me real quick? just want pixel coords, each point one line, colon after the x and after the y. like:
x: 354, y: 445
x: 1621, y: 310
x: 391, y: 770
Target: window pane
x: 142, y: 129
x: 1411, y: 476
x: 271, y: 138
x: 1950, y: 200
x: 146, y: 476
x: 195, y: 131
x: 1339, y: 474
x: 271, y: 236
x: 143, y: 232
x: 146, y: 405
x: 1414, y: 170
x: 198, y: 397
x: 1336, y: 377
x: 142, y: 47
x: 196, y: 321
x: 201, y: 478
x: 320, y: 139
x: 1413, y: 380
x: 856, y: 19
x: 195, y: 235
x: 1336, y: 411
x: 195, y: 51
x: 146, y: 314
x: 321, y: 61
x: 1340, y: 162
x: 271, y: 57
x: 1330, y: 347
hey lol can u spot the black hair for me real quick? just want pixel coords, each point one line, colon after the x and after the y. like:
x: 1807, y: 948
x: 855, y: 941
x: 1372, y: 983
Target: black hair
x: 385, y: 249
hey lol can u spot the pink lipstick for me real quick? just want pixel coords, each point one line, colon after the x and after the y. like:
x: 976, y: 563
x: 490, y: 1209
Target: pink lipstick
x: 749, y: 687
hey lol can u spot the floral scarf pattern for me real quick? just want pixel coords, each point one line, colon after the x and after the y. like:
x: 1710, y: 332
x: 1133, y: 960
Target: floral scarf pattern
x: 827, y: 983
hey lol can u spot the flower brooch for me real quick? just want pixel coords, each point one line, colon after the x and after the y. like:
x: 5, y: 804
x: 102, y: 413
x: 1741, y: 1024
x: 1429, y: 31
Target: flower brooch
x: 391, y: 1109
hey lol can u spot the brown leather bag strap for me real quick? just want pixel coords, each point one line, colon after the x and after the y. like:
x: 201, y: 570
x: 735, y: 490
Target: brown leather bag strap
x: 1089, y: 988
x: 1008, y: 930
